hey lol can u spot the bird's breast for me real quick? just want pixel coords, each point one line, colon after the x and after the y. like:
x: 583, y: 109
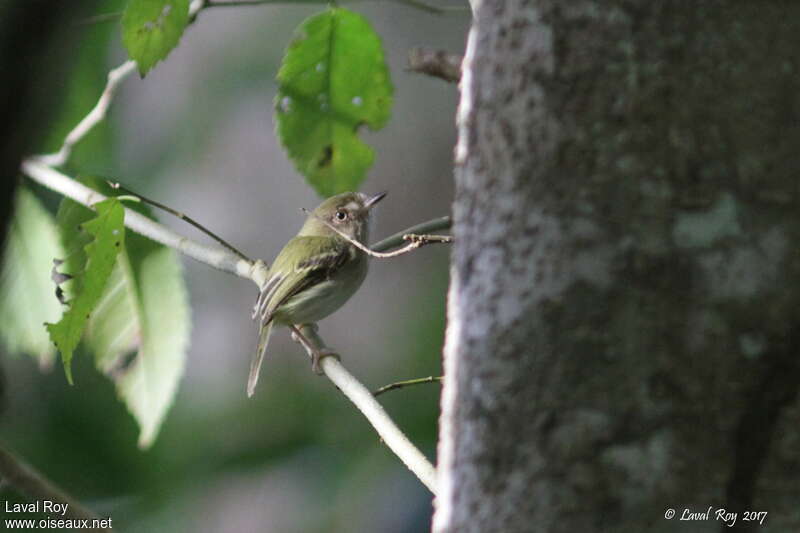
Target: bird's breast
x: 323, y: 298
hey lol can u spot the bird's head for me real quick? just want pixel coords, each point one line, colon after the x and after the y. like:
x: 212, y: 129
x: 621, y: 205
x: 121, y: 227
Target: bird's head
x: 347, y: 212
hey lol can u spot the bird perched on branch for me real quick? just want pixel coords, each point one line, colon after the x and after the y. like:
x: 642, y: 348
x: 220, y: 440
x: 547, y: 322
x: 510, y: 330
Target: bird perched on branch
x: 316, y: 272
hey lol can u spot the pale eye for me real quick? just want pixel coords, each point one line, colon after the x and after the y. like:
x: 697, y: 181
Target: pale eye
x: 341, y: 214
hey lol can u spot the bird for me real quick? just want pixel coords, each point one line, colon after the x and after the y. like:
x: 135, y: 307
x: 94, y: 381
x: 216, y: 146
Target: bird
x: 315, y: 273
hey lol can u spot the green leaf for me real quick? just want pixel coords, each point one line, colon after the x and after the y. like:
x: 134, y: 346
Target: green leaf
x: 139, y: 332
x: 147, y: 311
x: 27, y: 295
x: 151, y: 28
x: 109, y: 235
x: 332, y: 80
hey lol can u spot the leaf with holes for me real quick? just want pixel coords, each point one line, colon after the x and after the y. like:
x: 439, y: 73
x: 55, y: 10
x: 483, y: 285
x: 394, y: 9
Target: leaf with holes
x: 27, y: 298
x: 333, y: 80
x: 139, y: 331
x: 152, y: 28
x: 108, y: 234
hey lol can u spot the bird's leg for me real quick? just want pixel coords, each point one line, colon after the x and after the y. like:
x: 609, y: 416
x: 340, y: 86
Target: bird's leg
x: 316, y: 351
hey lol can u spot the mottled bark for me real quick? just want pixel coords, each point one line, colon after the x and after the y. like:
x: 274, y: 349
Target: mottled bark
x: 625, y: 300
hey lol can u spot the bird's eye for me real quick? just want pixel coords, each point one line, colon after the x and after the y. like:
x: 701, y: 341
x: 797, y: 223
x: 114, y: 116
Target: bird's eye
x: 341, y: 214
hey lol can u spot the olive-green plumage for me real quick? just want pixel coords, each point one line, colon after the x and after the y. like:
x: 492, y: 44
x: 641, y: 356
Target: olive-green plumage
x: 316, y: 272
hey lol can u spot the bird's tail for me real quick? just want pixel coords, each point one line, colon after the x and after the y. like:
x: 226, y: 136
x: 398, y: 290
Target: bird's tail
x: 258, y: 357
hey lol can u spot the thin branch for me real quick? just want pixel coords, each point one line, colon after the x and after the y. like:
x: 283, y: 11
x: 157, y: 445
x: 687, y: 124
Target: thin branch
x: 240, y: 3
x: 97, y: 114
x: 428, y: 239
x: 180, y: 215
x: 414, y: 241
x: 210, y: 255
x: 96, y: 19
x: 407, y: 383
x: 35, y: 486
x: 373, y: 411
x: 422, y: 6
x: 436, y: 63
x: 393, y: 241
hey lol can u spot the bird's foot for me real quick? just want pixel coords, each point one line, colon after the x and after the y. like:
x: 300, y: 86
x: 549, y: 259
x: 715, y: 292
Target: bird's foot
x: 318, y: 355
x: 316, y: 351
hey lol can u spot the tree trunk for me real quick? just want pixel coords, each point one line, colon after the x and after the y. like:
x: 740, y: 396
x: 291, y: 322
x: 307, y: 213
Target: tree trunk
x: 623, y: 312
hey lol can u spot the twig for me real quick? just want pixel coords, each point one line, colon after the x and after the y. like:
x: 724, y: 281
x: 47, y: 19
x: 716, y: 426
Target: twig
x: 239, y: 3
x: 407, y: 383
x: 436, y: 63
x: 180, y: 215
x: 97, y: 114
x: 35, y: 486
x: 428, y: 239
x: 245, y: 3
x: 414, y: 241
x: 393, y: 241
x: 210, y: 255
x: 377, y: 416
x: 103, y: 17
x: 422, y: 6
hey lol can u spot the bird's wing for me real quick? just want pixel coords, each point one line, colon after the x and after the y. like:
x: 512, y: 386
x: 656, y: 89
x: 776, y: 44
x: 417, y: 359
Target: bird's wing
x: 287, y: 277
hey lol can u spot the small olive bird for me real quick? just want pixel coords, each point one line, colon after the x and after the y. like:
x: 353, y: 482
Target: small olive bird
x: 316, y: 272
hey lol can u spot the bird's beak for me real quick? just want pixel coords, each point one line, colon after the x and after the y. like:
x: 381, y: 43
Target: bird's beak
x: 370, y: 202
